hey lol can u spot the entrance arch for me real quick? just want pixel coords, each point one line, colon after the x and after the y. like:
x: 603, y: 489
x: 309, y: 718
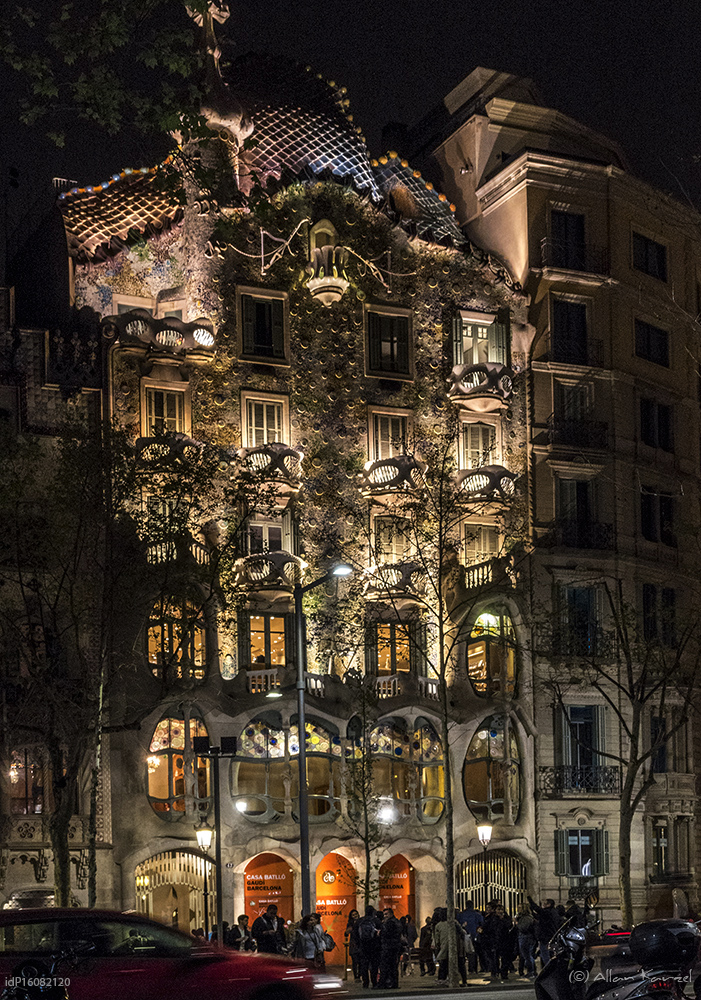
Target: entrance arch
x: 397, y: 886
x: 170, y: 888
x: 491, y: 875
x: 336, y: 882
x: 268, y: 879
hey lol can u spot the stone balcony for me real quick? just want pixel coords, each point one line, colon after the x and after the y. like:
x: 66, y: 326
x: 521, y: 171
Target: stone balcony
x: 185, y: 549
x: 496, y: 572
x: 138, y: 331
x: 481, y: 388
x: 403, y: 579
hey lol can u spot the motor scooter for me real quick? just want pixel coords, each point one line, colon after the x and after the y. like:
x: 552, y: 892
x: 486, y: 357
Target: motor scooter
x: 665, y: 950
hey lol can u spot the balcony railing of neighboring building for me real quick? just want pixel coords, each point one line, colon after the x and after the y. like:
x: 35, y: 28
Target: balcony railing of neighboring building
x: 574, y: 257
x: 579, y: 535
x: 489, y: 482
x: 589, y: 354
x: 402, y: 472
x: 586, y: 641
x: 262, y: 681
x: 671, y: 878
x: 180, y: 549
x: 481, y: 387
x: 275, y: 461
x: 269, y: 569
x: 404, y: 578
x: 578, y: 433
x: 568, y: 779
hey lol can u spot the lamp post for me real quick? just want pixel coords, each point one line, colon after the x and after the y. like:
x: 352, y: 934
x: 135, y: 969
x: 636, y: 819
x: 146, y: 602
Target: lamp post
x: 484, y: 833
x: 339, y: 570
x: 201, y: 747
x: 203, y: 832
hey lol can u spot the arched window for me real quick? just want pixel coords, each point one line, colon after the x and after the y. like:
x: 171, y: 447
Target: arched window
x: 176, y: 640
x: 267, y: 773
x: 408, y: 768
x: 28, y: 768
x: 491, y: 773
x: 491, y: 655
x: 173, y: 771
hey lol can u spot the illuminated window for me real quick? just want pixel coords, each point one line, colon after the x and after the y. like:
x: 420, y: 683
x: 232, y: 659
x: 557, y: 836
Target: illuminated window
x: 491, y: 773
x: 122, y: 304
x: 267, y: 773
x: 322, y: 234
x: 266, y: 640
x: 407, y: 768
x: 388, y: 435
x: 165, y: 411
x: 389, y: 647
x: 176, y: 640
x: 264, y: 536
x: 174, y: 773
x: 581, y: 853
x: 491, y: 655
x: 27, y: 782
x: 478, y: 445
x: 660, y: 849
x: 479, y: 338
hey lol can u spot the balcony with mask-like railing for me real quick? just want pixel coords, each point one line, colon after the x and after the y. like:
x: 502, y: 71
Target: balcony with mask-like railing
x: 565, y: 255
x: 137, y: 331
x: 388, y: 475
x: 483, y: 387
x: 488, y: 483
x: 570, y: 779
x: 269, y: 571
x: 276, y: 462
x: 395, y: 579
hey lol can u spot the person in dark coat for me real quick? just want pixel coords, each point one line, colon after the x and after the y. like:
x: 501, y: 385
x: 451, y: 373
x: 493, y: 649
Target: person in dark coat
x: 426, y: 962
x: 390, y: 950
x: 368, y: 932
x: 240, y: 936
x: 471, y: 920
x: 496, y: 938
x: 574, y: 914
x: 269, y: 932
x: 547, y: 921
x: 351, y: 940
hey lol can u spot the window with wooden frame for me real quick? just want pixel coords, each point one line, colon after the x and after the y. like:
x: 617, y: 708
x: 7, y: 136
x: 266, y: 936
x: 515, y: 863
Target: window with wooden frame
x: 387, y: 433
x: 264, y: 419
x: 389, y: 351
x: 264, y: 325
x: 479, y: 338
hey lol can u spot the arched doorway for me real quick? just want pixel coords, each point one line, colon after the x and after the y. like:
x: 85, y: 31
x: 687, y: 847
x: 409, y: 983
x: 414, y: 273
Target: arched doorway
x: 170, y: 888
x: 268, y: 879
x: 397, y: 886
x: 492, y: 875
x: 336, y: 883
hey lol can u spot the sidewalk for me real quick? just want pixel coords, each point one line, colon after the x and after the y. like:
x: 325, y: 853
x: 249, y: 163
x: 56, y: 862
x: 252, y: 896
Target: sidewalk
x: 417, y: 983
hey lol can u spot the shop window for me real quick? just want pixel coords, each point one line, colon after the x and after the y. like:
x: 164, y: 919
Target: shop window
x: 174, y: 773
x: 407, y: 769
x: 267, y: 776
x: 176, y: 640
x: 581, y: 853
x: 165, y: 411
x: 388, y: 435
x: 263, y: 318
x: 491, y: 773
x: 491, y: 655
x: 479, y: 338
x: 388, y: 344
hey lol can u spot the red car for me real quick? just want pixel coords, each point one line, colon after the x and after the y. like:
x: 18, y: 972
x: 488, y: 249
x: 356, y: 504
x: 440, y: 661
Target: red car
x: 132, y: 957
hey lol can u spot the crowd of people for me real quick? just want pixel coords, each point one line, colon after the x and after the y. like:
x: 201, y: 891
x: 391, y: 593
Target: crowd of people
x: 380, y: 944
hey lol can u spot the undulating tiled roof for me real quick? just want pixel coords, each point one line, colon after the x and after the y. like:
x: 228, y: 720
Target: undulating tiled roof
x: 100, y: 220
x: 417, y: 202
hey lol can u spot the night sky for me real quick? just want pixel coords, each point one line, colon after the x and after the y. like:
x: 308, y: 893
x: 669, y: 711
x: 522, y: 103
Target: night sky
x: 630, y: 70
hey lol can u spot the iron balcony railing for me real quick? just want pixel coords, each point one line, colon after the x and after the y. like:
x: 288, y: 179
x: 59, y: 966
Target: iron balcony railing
x: 580, y: 535
x: 578, y: 433
x: 588, y: 780
x: 576, y: 352
x: 574, y: 256
x: 581, y: 640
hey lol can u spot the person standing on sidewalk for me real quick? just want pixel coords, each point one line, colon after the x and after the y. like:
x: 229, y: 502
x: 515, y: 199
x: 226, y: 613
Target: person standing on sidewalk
x: 441, y: 936
x: 471, y: 921
x: 426, y: 962
x: 390, y: 950
x: 547, y: 921
x: 525, y: 925
x: 368, y: 930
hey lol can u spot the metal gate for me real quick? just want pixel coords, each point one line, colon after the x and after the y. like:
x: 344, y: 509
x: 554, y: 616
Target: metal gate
x: 492, y: 875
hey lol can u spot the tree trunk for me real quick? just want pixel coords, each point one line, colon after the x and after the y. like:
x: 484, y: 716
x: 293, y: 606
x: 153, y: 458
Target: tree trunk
x: 453, y: 976
x: 625, y: 823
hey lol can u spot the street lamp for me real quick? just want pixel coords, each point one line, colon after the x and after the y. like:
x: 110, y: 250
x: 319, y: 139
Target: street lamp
x: 201, y: 747
x: 203, y: 832
x: 340, y: 570
x: 484, y: 832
